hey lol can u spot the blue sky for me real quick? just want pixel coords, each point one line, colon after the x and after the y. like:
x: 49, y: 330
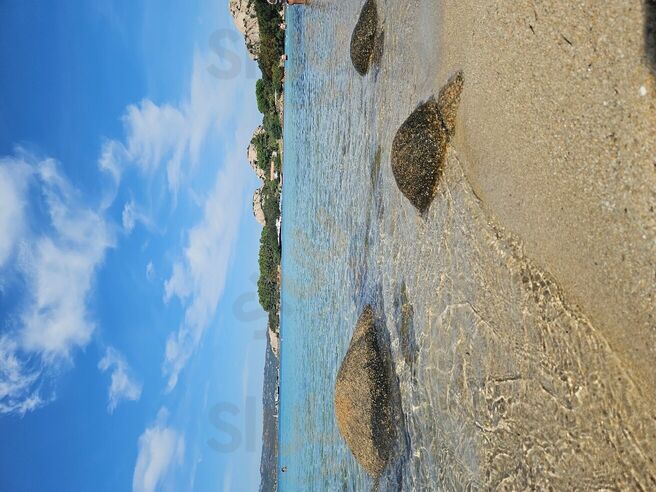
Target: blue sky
x: 128, y: 251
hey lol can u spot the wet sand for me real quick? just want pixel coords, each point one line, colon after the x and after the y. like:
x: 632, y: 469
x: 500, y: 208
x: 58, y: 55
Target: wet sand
x: 557, y: 137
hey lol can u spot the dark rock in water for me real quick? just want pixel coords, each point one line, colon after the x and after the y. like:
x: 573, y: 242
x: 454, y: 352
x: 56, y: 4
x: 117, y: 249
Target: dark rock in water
x: 419, y: 146
x: 363, y: 40
x: 379, y: 48
x: 363, y: 400
x: 418, y: 152
x: 405, y: 314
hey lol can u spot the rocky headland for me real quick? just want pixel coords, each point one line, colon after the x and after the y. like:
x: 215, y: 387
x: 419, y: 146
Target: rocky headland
x: 245, y: 18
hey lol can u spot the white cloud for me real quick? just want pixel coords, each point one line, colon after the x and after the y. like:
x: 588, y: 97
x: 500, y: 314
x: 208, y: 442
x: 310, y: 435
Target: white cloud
x: 57, y: 255
x: 57, y: 258
x: 160, y: 449
x: 128, y: 217
x: 123, y: 386
x: 13, y: 178
x: 198, y: 278
x: 56, y: 320
x: 150, y: 271
x: 157, y: 133
x: 16, y: 380
x: 112, y: 157
x: 172, y: 135
x: 133, y: 215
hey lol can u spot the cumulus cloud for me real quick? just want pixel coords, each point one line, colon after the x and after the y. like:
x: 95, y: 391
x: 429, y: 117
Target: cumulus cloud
x: 56, y: 320
x: 123, y: 386
x: 161, y: 448
x: 54, y: 243
x: 157, y: 134
x: 57, y: 258
x: 172, y: 135
x: 198, y: 278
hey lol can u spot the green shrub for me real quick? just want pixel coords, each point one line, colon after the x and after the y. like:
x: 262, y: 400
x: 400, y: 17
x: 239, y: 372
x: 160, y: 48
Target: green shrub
x: 276, y: 78
x: 272, y: 38
x: 272, y: 126
x: 272, y: 46
x: 262, y: 93
x: 277, y: 162
x: 267, y: 284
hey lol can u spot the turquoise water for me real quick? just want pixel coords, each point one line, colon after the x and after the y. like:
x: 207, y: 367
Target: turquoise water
x: 498, y: 373
x: 330, y: 211
x: 324, y: 139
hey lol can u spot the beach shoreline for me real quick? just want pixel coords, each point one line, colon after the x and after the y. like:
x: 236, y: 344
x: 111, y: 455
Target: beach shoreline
x: 557, y: 139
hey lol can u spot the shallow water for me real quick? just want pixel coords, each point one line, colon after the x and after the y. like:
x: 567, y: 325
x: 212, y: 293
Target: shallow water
x: 503, y: 383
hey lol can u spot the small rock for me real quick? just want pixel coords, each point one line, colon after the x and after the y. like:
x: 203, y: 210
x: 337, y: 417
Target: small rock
x: 405, y: 313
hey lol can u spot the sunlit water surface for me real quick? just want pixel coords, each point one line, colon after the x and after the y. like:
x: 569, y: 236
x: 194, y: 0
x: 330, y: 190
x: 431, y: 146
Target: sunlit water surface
x: 495, y: 363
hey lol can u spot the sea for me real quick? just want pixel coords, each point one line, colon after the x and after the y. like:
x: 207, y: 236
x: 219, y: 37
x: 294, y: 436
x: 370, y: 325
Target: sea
x: 503, y: 381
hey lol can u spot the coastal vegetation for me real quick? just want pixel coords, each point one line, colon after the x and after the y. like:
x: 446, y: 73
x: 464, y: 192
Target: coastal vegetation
x: 268, y: 285
x: 272, y: 37
x: 267, y: 143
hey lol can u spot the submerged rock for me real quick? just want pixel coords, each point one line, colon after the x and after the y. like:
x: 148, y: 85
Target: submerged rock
x: 363, y: 40
x: 419, y: 146
x: 363, y: 400
x: 405, y: 313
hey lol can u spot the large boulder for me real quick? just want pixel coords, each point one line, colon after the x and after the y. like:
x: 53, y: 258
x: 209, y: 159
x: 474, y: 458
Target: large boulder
x: 274, y: 341
x: 363, y: 401
x: 245, y: 18
x: 419, y: 146
x: 364, y: 40
x: 251, y: 154
x: 258, y: 209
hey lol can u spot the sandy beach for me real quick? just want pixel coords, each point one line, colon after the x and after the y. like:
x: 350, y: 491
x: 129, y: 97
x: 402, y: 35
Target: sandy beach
x: 558, y: 140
